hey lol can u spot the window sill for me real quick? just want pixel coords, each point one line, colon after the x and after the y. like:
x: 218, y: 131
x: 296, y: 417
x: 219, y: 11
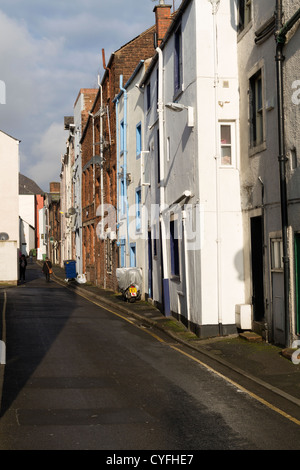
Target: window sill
x: 257, y: 149
x: 178, y: 93
x: 244, y: 31
x: 227, y: 167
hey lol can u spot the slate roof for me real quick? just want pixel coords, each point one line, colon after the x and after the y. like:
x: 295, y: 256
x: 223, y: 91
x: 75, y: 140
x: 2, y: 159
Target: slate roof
x: 28, y: 186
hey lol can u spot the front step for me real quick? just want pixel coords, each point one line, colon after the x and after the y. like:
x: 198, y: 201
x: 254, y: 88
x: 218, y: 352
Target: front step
x: 250, y: 336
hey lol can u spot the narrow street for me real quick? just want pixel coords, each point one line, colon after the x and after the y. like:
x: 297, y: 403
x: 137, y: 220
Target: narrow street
x: 78, y: 376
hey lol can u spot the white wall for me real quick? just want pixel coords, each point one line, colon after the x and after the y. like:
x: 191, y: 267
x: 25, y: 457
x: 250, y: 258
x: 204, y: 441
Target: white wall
x: 9, y: 269
x: 9, y: 208
x: 135, y: 115
x: 42, y: 230
x: 27, y: 222
x: 222, y: 269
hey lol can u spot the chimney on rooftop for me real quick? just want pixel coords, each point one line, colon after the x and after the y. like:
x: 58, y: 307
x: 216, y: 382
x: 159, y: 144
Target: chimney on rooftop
x: 163, y: 21
x: 54, y: 187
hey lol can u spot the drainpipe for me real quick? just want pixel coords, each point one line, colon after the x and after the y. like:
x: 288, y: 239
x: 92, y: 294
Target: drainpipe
x: 118, y: 165
x: 93, y: 121
x: 125, y: 166
x: 101, y: 157
x: 166, y: 293
x: 280, y: 35
x: 215, y: 6
x: 109, y: 73
x: 187, y: 270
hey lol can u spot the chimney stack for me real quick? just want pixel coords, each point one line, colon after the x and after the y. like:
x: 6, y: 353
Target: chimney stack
x: 54, y: 187
x: 163, y: 20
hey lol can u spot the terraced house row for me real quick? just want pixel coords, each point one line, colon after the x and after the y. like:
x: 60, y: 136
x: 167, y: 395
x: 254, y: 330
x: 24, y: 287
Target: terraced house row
x: 184, y: 162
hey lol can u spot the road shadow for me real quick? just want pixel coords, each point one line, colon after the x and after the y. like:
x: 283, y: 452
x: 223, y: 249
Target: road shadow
x: 36, y: 312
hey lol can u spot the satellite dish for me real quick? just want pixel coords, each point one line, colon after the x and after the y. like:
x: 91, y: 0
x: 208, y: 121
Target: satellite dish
x: 72, y: 211
x: 4, y: 236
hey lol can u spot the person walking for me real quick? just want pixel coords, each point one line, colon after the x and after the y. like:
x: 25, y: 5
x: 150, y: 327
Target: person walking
x: 47, y: 269
x: 23, y: 264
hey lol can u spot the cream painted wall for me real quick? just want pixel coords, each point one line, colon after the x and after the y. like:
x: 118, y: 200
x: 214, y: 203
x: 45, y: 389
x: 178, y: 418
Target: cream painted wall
x: 9, y: 207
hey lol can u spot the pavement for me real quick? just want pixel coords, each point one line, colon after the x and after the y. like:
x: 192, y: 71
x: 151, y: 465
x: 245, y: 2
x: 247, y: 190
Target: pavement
x: 245, y: 353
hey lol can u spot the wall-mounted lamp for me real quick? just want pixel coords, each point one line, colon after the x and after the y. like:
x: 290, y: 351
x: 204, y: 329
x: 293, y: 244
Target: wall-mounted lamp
x: 215, y: 5
x: 177, y: 107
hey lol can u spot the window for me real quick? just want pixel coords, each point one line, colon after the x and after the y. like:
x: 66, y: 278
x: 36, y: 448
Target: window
x: 256, y: 110
x: 157, y: 86
x: 138, y: 216
x: 122, y: 198
x: 155, y: 241
x: 148, y: 96
x: 276, y: 254
x: 109, y: 256
x: 122, y: 137
x: 132, y: 255
x: 178, y: 61
x: 174, y: 248
x: 227, y: 143
x: 138, y: 140
x: 122, y: 252
x: 168, y: 149
x: 158, y: 157
x: 244, y: 14
x: 293, y: 158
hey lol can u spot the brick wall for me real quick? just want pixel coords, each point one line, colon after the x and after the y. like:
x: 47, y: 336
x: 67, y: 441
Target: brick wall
x: 54, y: 187
x: 163, y: 19
x: 101, y: 257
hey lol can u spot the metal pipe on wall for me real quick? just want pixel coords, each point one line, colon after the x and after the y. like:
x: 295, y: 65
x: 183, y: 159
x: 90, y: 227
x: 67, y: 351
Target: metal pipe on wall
x: 163, y: 234
x: 280, y: 35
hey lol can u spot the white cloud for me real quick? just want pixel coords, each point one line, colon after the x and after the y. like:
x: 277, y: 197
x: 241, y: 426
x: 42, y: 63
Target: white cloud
x: 47, y: 152
x: 48, y: 51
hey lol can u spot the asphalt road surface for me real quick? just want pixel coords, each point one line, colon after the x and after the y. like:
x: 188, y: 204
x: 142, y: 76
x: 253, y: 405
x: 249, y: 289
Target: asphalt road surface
x: 78, y: 376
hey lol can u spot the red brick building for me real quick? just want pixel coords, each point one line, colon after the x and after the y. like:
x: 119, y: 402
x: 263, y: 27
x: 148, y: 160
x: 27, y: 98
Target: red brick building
x: 100, y: 258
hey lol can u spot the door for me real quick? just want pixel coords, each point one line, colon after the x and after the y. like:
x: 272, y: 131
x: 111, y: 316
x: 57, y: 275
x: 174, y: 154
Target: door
x: 257, y: 268
x: 297, y: 280
x: 150, y: 285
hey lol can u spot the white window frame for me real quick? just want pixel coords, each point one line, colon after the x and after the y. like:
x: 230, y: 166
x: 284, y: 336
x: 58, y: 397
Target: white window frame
x: 276, y: 247
x: 232, y: 145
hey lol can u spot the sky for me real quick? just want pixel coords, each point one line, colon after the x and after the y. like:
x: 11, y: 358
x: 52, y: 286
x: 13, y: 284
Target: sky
x: 48, y: 51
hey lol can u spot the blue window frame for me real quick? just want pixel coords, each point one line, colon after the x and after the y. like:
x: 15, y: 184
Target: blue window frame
x: 122, y: 253
x: 132, y: 255
x: 138, y: 209
x: 122, y: 197
x: 138, y: 140
x: 174, y: 249
x: 122, y: 136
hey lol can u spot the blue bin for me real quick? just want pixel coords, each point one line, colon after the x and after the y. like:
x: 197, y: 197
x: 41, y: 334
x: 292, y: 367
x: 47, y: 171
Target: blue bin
x: 70, y: 269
